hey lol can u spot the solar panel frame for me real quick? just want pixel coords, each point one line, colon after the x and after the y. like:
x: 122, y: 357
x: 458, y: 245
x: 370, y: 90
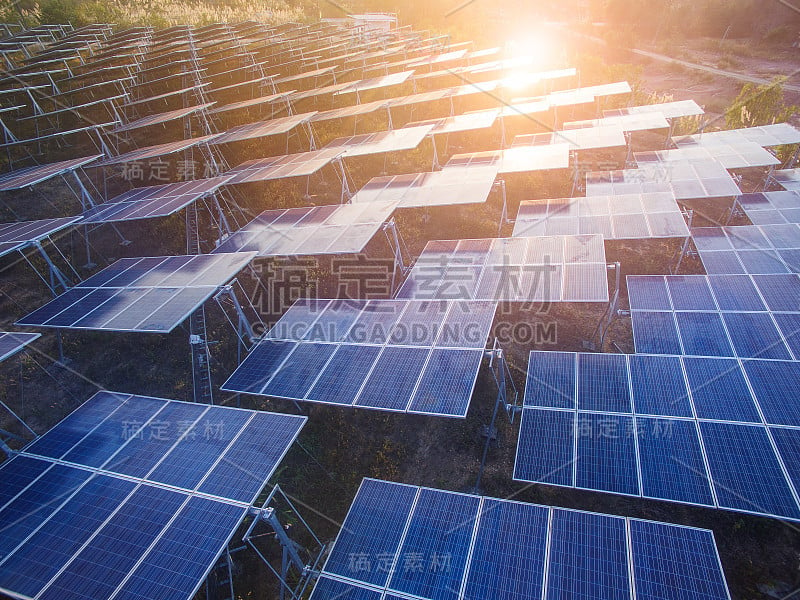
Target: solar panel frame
x: 685, y: 180
x: 393, y: 140
x: 771, y: 208
x: 752, y: 249
x: 278, y: 167
x: 518, y: 159
x: 788, y: 179
x: 12, y: 342
x: 148, y: 152
x: 161, y: 118
x: 671, y: 110
x: 250, y: 131
x: 31, y: 176
x: 17, y: 236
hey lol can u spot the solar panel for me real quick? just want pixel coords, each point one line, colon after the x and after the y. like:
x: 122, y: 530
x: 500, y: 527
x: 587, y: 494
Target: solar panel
x: 152, y: 201
x: 740, y: 156
x: 165, y: 95
x: 671, y: 110
x: 396, y: 355
x: 788, y: 179
x: 685, y: 180
x: 451, y: 185
x: 164, y: 117
x: 765, y: 135
x: 444, y: 545
x: 587, y: 138
x: 339, y: 229
x: 12, y: 342
x: 140, y: 294
x: 148, y: 152
x: 629, y: 122
x: 375, y: 83
x: 278, y: 167
x: 546, y: 269
x: 394, y: 140
x: 632, y: 216
x: 350, y: 111
x: 106, y: 536
x: 481, y: 119
x: 756, y: 249
x: 16, y: 236
x: 269, y: 99
x: 771, y: 208
x: 680, y: 440
x: 518, y: 159
x: 30, y: 176
x: 250, y: 131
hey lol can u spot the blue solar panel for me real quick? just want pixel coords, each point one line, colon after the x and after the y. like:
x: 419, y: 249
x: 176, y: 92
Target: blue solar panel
x: 254, y: 372
x: 788, y: 444
x: 672, y: 461
x: 588, y: 557
x: 603, y: 383
x: 736, y: 292
x: 546, y: 448
x: 447, y: 395
x: 658, y: 386
x: 148, y: 445
x: 371, y: 533
x: 655, y: 333
x: 675, y: 562
x: 789, y: 324
x: 18, y: 473
x: 606, y: 453
x: 780, y: 292
x: 334, y: 323
x: 253, y: 456
x: 186, y: 464
x: 648, y: 293
x: 345, y: 374
x: 108, y: 437
x: 393, y: 379
x: 776, y: 386
x: 434, y: 552
x: 719, y: 390
x: 745, y: 470
x: 29, y: 569
x: 193, y: 541
x: 703, y: 334
x: 102, y: 565
x: 690, y: 293
x: 551, y: 380
x: 56, y: 442
x: 331, y: 589
x: 293, y: 379
x: 513, y: 569
x: 375, y: 323
x: 755, y: 335
x: 20, y: 517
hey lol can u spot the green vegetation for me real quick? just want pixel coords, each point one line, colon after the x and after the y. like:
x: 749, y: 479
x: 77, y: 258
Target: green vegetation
x: 760, y: 105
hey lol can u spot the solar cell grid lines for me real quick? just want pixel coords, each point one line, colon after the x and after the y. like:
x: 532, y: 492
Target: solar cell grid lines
x: 350, y: 111
x: 788, y: 179
x: 690, y: 180
x: 544, y: 269
x: 128, y: 513
x: 152, y: 201
x: 375, y: 83
x: 771, y: 208
x: 393, y: 355
x: 29, y: 176
x: 268, y: 99
x: 394, y: 140
x: 482, y: 119
x: 12, y: 342
x: 16, y: 236
x: 148, y: 152
x: 259, y: 129
x: 671, y: 110
x: 517, y: 159
x: 633, y: 216
x: 629, y: 122
x: 161, y: 118
x: 277, y: 167
x: 777, y: 134
x: 140, y: 294
x: 548, y: 552
x: 716, y: 315
x: 757, y: 249
x: 337, y: 229
x: 663, y: 427
x: 586, y: 138
x: 451, y: 185
x: 740, y: 156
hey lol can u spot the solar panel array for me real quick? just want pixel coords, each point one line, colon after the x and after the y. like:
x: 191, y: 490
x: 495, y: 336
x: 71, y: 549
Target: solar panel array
x: 140, y: 294
x: 671, y: 110
x: 17, y: 236
x: 740, y: 156
x: 12, y: 342
x: 686, y: 181
x: 771, y: 208
x: 633, y: 216
x: 395, y: 537
x: 392, y: 355
x: 777, y: 134
x: 699, y: 430
x: 30, y: 176
x: 517, y: 159
x: 757, y: 249
x: 567, y: 268
x: 750, y: 316
x: 394, y: 140
x: 132, y: 496
x: 788, y: 179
